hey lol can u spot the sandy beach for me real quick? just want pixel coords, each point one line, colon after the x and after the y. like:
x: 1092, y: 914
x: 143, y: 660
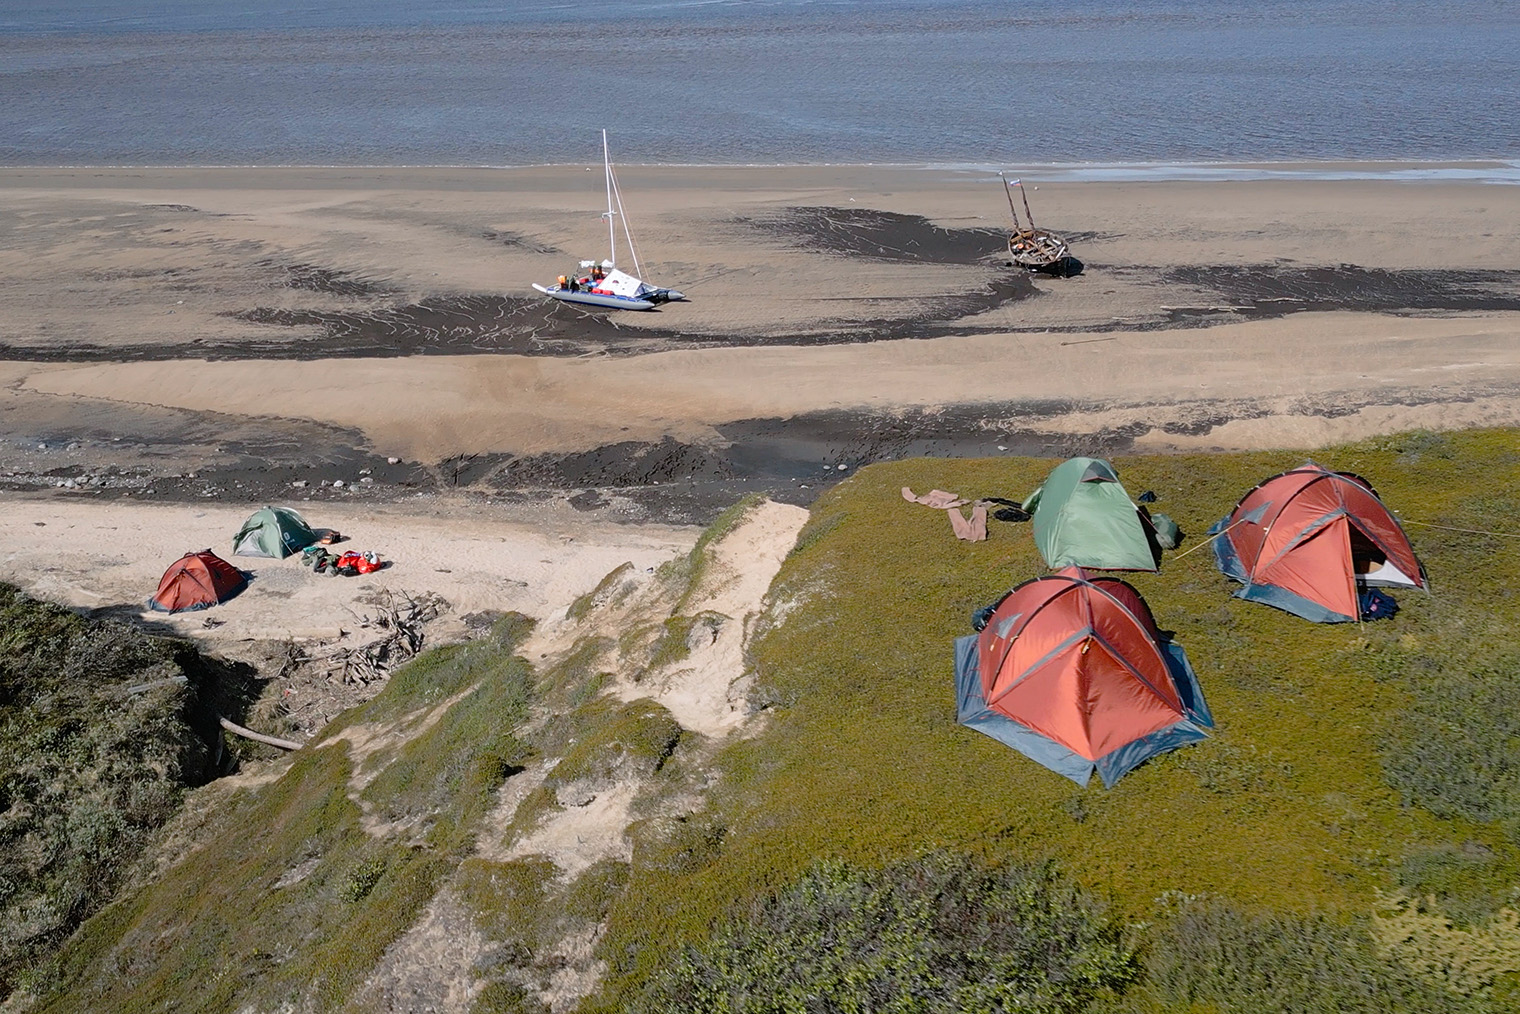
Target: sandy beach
x: 213, y: 338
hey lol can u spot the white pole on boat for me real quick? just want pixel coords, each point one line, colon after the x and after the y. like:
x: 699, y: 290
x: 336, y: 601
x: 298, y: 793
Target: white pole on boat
x: 1008, y: 193
x: 611, y: 225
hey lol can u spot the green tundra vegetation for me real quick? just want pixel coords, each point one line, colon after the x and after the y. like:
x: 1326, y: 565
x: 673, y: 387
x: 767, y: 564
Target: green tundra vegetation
x: 1348, y: 839
x: 102, y: 729
x: 1352, y: 764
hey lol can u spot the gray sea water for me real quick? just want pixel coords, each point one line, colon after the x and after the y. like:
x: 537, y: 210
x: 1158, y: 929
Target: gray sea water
x: 975, y: 82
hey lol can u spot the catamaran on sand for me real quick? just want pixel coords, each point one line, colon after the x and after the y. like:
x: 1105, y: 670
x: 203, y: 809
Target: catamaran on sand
x: 603, y: 283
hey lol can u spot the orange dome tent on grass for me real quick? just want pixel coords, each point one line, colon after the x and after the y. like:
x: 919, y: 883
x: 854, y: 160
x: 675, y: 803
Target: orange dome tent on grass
x: 1309, y: 541
x: 197, y: 581
x: 1072, y: 672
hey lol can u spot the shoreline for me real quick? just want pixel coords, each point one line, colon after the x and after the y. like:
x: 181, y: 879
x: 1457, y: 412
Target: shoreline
x: 1498, y: 169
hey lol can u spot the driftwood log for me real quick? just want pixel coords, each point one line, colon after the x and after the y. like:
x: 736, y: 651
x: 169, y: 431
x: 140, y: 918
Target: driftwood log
x: 257, y: 737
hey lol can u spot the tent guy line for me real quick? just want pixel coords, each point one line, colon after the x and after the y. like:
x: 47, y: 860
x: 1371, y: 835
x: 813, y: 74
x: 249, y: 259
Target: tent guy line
x: 1449, y: 528
x: 1208, y: 540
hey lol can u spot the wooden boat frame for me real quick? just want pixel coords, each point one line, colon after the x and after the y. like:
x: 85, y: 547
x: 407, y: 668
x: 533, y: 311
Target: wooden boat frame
x: 1031, y: 247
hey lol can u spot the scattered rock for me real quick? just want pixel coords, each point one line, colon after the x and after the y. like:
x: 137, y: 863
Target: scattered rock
x: 366, y: 479
x: 299, y: 484
x: 393, y: 461
x: 337, y: 484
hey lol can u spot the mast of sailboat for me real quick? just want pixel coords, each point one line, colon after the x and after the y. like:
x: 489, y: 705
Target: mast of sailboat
x: 611, y: 225
x: 615, y: 211
x: 1008, y: 193
x: 1025, y: 195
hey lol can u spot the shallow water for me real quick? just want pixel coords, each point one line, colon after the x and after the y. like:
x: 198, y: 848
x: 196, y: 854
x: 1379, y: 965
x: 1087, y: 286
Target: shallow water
x: 447, y: 82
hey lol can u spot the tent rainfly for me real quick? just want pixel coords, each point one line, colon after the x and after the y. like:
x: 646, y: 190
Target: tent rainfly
x: 1082, y: 517
x: 196, y: 581
x: 1307, y: 541
x: 1072, y: 672
x: 273, y: 531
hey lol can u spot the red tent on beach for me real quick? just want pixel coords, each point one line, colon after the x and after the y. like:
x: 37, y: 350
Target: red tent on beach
x: 196, y: 581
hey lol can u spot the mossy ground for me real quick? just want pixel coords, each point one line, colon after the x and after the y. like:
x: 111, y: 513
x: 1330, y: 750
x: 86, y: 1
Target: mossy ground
x: 102, y: 729
x: 1293, y: 806
x: 1351, y: 765
x: 292, y: 897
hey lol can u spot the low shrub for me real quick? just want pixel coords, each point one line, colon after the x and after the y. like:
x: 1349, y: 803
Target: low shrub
x: 1456, y: 751
x: 686, y: 572
x: 677, y: 844
x: 591, y: 894
x: 617, y: 740
x: 932, y: 934
x: 102, y: 729
x: 307, y: 879
x: 605, y: 591
x: 1215, y: 956
x: 506, y: 997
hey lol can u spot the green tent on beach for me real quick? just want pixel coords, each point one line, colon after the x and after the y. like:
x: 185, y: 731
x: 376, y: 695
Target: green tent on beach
x: 1084, y: 518
x: 273, y: 531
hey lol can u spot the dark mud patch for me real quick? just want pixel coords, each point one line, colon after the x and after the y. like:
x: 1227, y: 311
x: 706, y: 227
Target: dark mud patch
x: 623, y: 464
x: 880, y: 235
x: 1276, y: 290
x: 519, y: 242
x: 468, y: 469
x: 150, y: 453
x: 305, y: 464
x: 462, y: 325
x: 481, y: 324
x: 789, y: 459
x: 311, y: 278
x: 473, y: 325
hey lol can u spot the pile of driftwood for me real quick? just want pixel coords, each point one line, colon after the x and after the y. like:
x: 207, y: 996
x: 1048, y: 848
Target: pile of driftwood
x: 397, y: 624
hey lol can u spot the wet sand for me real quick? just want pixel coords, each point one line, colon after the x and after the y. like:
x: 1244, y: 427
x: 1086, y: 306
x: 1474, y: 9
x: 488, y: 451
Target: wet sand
x: 224, y: 334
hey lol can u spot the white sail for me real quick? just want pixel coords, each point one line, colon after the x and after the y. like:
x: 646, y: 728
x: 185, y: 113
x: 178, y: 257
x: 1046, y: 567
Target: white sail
x: 621, y: 283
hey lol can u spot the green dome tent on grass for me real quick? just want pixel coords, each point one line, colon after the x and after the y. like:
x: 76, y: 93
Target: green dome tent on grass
x: 273, y: 531
x: 1083, y: 518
